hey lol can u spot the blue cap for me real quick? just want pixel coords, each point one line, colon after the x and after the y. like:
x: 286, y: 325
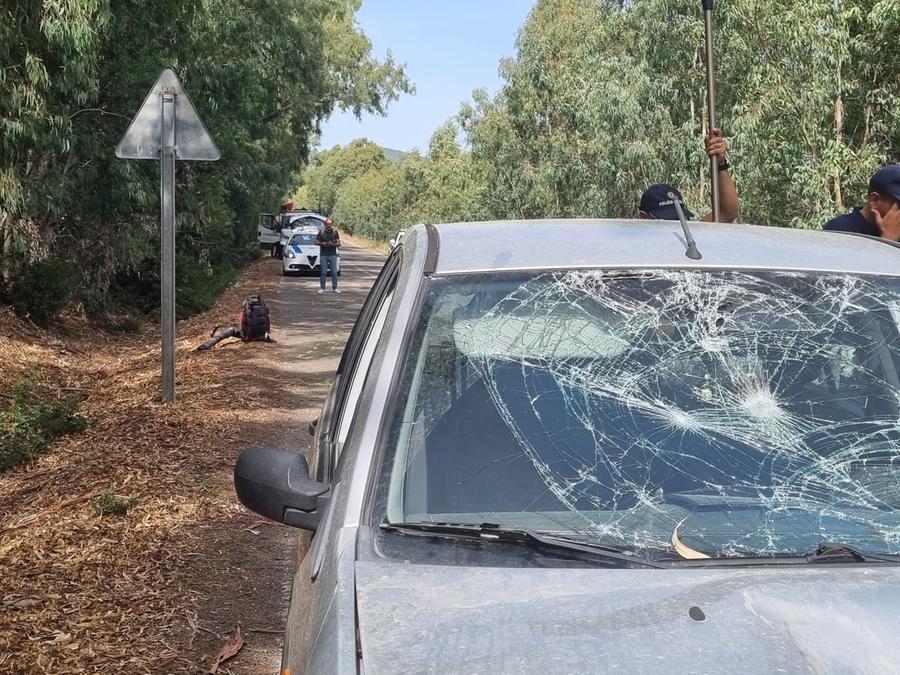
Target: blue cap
x: 886, y: 181
x: 657, y: 203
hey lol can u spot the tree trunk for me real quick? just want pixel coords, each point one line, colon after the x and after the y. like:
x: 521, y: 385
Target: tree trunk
x: 6, y: 246
x: 868, y: 118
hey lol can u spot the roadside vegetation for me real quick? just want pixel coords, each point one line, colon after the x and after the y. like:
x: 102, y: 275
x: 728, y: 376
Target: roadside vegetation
x: 32, y: 420
x: 604, y: 98
x: 117, y: 515
x: 79, y: 227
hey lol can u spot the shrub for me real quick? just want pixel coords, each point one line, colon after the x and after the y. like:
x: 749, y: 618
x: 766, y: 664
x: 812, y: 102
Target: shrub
x: 107, y: 503
x: 44, y: 288
x: 31, y: 423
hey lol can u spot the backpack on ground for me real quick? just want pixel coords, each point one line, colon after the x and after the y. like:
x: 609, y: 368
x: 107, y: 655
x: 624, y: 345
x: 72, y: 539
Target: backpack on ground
x: 253, y: 319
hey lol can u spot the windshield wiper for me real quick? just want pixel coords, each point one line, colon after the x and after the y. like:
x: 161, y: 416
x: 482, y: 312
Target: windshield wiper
x: 531, y: 539
x: 835, y: 552
x: 826, y: 552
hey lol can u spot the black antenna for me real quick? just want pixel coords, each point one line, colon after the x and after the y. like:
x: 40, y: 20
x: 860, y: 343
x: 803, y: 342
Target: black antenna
x: 692, y: 251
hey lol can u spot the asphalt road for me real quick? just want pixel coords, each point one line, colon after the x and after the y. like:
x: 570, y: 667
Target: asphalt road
x: 310, y: 330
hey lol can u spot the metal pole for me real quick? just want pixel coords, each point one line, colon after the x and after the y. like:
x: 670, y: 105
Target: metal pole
x: 711, y: 102
x: 167, y: 241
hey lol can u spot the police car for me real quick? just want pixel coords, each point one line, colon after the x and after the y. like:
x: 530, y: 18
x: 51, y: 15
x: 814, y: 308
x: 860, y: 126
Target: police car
x: 301, y: 255
x: 273, y: 232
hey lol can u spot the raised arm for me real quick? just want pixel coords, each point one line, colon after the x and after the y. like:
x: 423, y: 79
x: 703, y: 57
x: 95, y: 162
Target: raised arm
x: 728, y: 199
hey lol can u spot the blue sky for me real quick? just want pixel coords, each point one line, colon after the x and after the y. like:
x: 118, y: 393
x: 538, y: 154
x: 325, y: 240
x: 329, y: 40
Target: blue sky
x: 450, y: 47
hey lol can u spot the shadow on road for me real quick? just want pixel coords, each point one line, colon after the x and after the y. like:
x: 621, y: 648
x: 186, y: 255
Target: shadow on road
x: 252, y: 561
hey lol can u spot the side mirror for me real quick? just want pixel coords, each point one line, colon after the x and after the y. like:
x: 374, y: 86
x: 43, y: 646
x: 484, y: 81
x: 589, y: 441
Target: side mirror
x: 393, y: 243
x: 312, y: 427
x: 276, y: 484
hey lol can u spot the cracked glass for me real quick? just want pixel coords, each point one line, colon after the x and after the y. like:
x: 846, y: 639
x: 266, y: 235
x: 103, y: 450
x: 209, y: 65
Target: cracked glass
x: 762, y: 408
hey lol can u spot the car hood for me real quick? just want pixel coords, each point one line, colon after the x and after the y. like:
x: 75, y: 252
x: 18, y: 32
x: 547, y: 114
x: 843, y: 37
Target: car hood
x: 305, y: 249
x: 426, y: 618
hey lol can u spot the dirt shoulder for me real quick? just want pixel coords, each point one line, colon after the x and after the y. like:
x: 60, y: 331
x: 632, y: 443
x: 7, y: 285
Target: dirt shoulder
x: 159, y: 589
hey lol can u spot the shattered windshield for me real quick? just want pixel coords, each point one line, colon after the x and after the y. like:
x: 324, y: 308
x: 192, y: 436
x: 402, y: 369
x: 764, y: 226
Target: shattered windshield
x: 763, y: 407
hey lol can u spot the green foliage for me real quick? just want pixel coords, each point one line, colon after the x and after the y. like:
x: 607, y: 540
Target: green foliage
x: 332, y: 168
x: 442, y: 186
x: 198, y: 286
x: 44, y: 288
x: 597, y: 105
x: 606, y: 97
x: 107, y: 503
x: 32, y: 421
x: 262, y: 75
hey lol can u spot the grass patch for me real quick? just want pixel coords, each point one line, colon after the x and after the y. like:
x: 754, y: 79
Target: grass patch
x: 108, y: 503
x: 209, y: 490
x: 32, y: 422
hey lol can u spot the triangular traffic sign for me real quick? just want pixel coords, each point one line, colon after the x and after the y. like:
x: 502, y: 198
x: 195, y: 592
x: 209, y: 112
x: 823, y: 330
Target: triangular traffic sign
x: 142, y: 139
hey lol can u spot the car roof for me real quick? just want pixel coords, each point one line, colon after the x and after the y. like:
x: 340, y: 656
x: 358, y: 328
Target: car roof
x: 303, y: 214
x: 566, y: 244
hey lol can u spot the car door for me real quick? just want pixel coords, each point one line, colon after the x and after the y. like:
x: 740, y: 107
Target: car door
x: 266, y: 231
x: 340, y: 405
x: 321, y: 622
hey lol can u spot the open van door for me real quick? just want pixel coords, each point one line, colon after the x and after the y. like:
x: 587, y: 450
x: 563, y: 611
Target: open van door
x: 267, y: 232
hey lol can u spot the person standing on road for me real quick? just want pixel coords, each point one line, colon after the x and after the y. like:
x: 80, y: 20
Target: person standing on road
x: 656, y: 204
x: 329, y: 241
x: 880, y: 215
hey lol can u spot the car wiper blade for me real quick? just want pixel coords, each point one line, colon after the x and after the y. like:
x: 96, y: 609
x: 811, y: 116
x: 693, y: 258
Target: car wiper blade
x: 530, y: 538
x: 834, y: 552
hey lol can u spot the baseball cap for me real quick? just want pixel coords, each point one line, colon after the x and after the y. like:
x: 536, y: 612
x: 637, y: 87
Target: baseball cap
x: 886, y: 181
x: 657, y: 203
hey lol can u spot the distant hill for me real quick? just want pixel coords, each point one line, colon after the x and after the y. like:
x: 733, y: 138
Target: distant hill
x: 393, y: 155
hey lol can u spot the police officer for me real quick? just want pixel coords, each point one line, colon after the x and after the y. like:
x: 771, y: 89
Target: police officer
x: 880, y: 215
x: 655, y: 202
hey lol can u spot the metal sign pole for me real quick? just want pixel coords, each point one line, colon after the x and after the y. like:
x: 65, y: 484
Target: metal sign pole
x: 167, y: 242
x: 711, y: 102
x: 166, y: 128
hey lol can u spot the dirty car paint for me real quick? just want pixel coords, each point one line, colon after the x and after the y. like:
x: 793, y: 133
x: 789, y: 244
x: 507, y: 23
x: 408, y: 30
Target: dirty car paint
x: 427, y: 618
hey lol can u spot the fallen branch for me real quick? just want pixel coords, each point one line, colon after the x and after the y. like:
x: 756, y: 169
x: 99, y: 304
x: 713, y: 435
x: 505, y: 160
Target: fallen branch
x: 218, y: 337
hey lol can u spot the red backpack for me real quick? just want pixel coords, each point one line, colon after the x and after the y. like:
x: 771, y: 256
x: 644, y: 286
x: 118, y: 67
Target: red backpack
x: 253, y: 319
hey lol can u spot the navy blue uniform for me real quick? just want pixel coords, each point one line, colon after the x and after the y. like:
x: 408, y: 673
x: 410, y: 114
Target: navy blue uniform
x: 852, y: 222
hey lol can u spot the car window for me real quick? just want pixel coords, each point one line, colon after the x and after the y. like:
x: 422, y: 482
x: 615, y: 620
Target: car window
x: 305, y: 221
x: 351, y: 356
x: 762, y: 407
x: 303, y: 239
x: 358, y: 376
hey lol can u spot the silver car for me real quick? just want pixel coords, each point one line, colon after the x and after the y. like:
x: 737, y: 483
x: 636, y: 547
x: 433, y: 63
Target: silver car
x: 603, y: 456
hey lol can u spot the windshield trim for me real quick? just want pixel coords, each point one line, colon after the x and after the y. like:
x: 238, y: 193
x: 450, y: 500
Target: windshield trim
x: 554, y: 545
x: 688, y: 266
x: 399, y: 391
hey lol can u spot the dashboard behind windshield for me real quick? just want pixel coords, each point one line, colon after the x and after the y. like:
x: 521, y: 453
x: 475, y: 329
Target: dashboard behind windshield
x: 762, y: 407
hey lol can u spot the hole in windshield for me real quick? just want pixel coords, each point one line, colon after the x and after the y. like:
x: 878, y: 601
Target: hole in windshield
x: 763, y: 408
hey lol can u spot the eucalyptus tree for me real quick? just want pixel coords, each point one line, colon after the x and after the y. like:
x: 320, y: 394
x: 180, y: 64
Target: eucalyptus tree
x: 262, y: 75
x: 604, y: 98
x: 332, y: 168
